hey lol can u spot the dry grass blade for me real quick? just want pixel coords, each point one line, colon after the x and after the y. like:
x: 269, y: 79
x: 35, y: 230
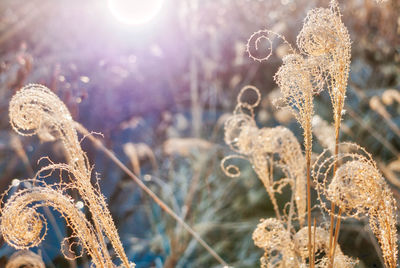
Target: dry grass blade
x: 186, y: 147
x: 378, y: 107
x: 137, y: 152
x: 390, y: 96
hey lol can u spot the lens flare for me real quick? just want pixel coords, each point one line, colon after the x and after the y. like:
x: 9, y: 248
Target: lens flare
x: 135, y: 12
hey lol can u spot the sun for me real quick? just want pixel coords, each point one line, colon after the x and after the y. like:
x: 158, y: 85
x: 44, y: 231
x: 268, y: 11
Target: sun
x: 135, y: 12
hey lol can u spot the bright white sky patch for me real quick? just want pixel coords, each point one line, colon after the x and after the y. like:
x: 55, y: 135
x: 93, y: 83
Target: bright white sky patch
x: 135, y: 12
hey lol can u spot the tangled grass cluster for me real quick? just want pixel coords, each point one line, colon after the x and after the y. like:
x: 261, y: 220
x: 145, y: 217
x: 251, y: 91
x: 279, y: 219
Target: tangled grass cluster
x: 349, y: 179
x: 346, y: 178
x: 284, y: 239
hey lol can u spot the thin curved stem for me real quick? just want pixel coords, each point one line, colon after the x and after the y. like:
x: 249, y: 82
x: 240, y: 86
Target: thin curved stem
x: 333, y: 240
x: 336, y: 237
x: 308, y: 139
x: 333, y: 206
x: 314, y: 234
x: 291, y: 211
x: 271, y: 191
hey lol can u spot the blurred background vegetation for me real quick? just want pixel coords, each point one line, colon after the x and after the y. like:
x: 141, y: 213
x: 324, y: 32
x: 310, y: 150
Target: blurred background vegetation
x: 159, y: 93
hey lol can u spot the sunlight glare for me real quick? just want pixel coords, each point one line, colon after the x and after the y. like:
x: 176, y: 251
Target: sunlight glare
x: 135, y: 12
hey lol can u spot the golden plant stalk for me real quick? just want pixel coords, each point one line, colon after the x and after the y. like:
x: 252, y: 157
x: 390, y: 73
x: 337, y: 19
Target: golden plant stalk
x: 324, y: 36
x: 36, y: 110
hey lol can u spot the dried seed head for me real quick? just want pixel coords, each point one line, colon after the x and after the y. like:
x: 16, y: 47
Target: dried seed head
x: 23, y: 230
x: 356, y: 184
x: 295, y: 82
x: 25, y: 258
x: 319, y: 35
x: 270, y: 233
x: 358, y: 189
x: 355, y: 187
x: 35, y: 109
x: 271, y: 236
x: 325, y: 38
